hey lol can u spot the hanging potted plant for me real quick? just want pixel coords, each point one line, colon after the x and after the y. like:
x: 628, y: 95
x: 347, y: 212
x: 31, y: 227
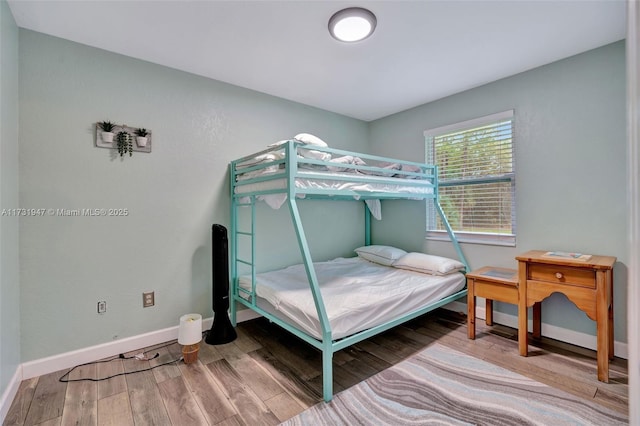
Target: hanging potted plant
x: 107, y: 131
x: 124, y: 141
x: 141, y: 137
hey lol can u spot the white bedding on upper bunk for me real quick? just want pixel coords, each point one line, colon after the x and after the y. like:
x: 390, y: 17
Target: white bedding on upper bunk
x: 357, y: 294
x: 373, y: 184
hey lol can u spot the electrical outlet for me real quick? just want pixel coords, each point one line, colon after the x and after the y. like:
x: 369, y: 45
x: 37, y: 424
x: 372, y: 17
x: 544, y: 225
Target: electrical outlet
x: 102, y: 307
x: 148, y: 299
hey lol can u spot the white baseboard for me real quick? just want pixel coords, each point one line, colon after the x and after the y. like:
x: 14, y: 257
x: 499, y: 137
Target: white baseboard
x: 577, y: 338
x: 10, y: 393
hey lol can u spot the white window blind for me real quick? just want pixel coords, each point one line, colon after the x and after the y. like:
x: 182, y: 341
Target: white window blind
x: 476, y: 173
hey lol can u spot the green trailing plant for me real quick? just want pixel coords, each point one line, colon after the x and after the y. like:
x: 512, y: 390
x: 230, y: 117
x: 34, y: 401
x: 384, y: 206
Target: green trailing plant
x: 107, y: 126
x: 142, y: 132
x: 124, y: 141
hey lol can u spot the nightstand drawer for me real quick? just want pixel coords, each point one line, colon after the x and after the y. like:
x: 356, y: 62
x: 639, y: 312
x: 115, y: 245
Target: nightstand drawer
x: 562, y: 275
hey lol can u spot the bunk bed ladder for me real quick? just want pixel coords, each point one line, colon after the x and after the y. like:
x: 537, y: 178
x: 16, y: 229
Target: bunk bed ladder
x: 235, y: 260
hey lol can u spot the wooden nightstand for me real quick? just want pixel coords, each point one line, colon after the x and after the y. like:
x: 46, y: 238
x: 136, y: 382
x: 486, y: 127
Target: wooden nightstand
x: 492, y: 283
x: 588, y: 284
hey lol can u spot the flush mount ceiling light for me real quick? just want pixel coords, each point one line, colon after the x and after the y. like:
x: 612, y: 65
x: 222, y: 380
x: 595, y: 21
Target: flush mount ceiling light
x: 352, y: 24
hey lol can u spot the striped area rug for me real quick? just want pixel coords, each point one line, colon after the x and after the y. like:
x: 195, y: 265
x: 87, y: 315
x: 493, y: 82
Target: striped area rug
x: 441, y: 386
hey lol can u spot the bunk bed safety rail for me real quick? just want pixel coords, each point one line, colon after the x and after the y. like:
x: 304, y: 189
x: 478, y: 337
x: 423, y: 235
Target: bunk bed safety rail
x: 285, y: 163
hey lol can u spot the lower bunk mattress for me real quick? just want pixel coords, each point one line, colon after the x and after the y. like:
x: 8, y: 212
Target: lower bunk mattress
x: 357, y: 294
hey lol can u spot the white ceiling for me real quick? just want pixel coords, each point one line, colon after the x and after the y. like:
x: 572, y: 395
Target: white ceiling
x: 421, y: 50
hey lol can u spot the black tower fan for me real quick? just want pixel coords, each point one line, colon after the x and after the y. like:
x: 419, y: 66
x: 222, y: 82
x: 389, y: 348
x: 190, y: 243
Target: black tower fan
x: 221, y: 331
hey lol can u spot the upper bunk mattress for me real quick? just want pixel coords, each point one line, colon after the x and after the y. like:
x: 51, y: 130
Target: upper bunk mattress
x: 357, y: 294
x: 342, y: 182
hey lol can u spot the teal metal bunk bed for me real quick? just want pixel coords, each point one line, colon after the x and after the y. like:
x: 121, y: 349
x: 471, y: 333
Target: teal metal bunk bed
x: 291, y: 171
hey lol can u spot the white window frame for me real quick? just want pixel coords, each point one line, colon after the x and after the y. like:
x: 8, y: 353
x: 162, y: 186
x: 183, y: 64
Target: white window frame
x: 472, y: 237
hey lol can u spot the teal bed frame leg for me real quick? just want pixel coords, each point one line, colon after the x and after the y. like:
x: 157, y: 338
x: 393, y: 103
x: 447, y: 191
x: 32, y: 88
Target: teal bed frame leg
x: 233, y: 251
x: 327, y: 374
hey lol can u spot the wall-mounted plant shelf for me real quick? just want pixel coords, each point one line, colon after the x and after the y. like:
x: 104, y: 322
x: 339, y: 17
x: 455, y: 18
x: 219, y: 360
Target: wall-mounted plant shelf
x: 138, y: 146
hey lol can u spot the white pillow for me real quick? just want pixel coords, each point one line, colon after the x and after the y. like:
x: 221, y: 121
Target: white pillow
x: 428, y: 264
x: 384, y: 255
x: 310, y: 139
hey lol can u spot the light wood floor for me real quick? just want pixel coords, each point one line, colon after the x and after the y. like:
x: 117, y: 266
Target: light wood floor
x: 267, y: 376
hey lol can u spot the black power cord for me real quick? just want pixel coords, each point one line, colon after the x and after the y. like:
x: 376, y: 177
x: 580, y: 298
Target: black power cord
x: 121, y: 356
x: 64, y: 378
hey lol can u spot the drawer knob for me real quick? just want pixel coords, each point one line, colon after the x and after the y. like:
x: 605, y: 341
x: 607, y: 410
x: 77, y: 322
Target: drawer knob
x: 559, y: 275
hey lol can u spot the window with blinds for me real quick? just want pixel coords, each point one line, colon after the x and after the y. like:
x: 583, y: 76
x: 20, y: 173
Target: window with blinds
x: 476, y: 173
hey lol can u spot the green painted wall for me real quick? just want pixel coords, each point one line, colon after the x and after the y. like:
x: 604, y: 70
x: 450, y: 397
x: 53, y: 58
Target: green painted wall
x: 570, y: 126
x: 173, y: 195
x: 9, y: 270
